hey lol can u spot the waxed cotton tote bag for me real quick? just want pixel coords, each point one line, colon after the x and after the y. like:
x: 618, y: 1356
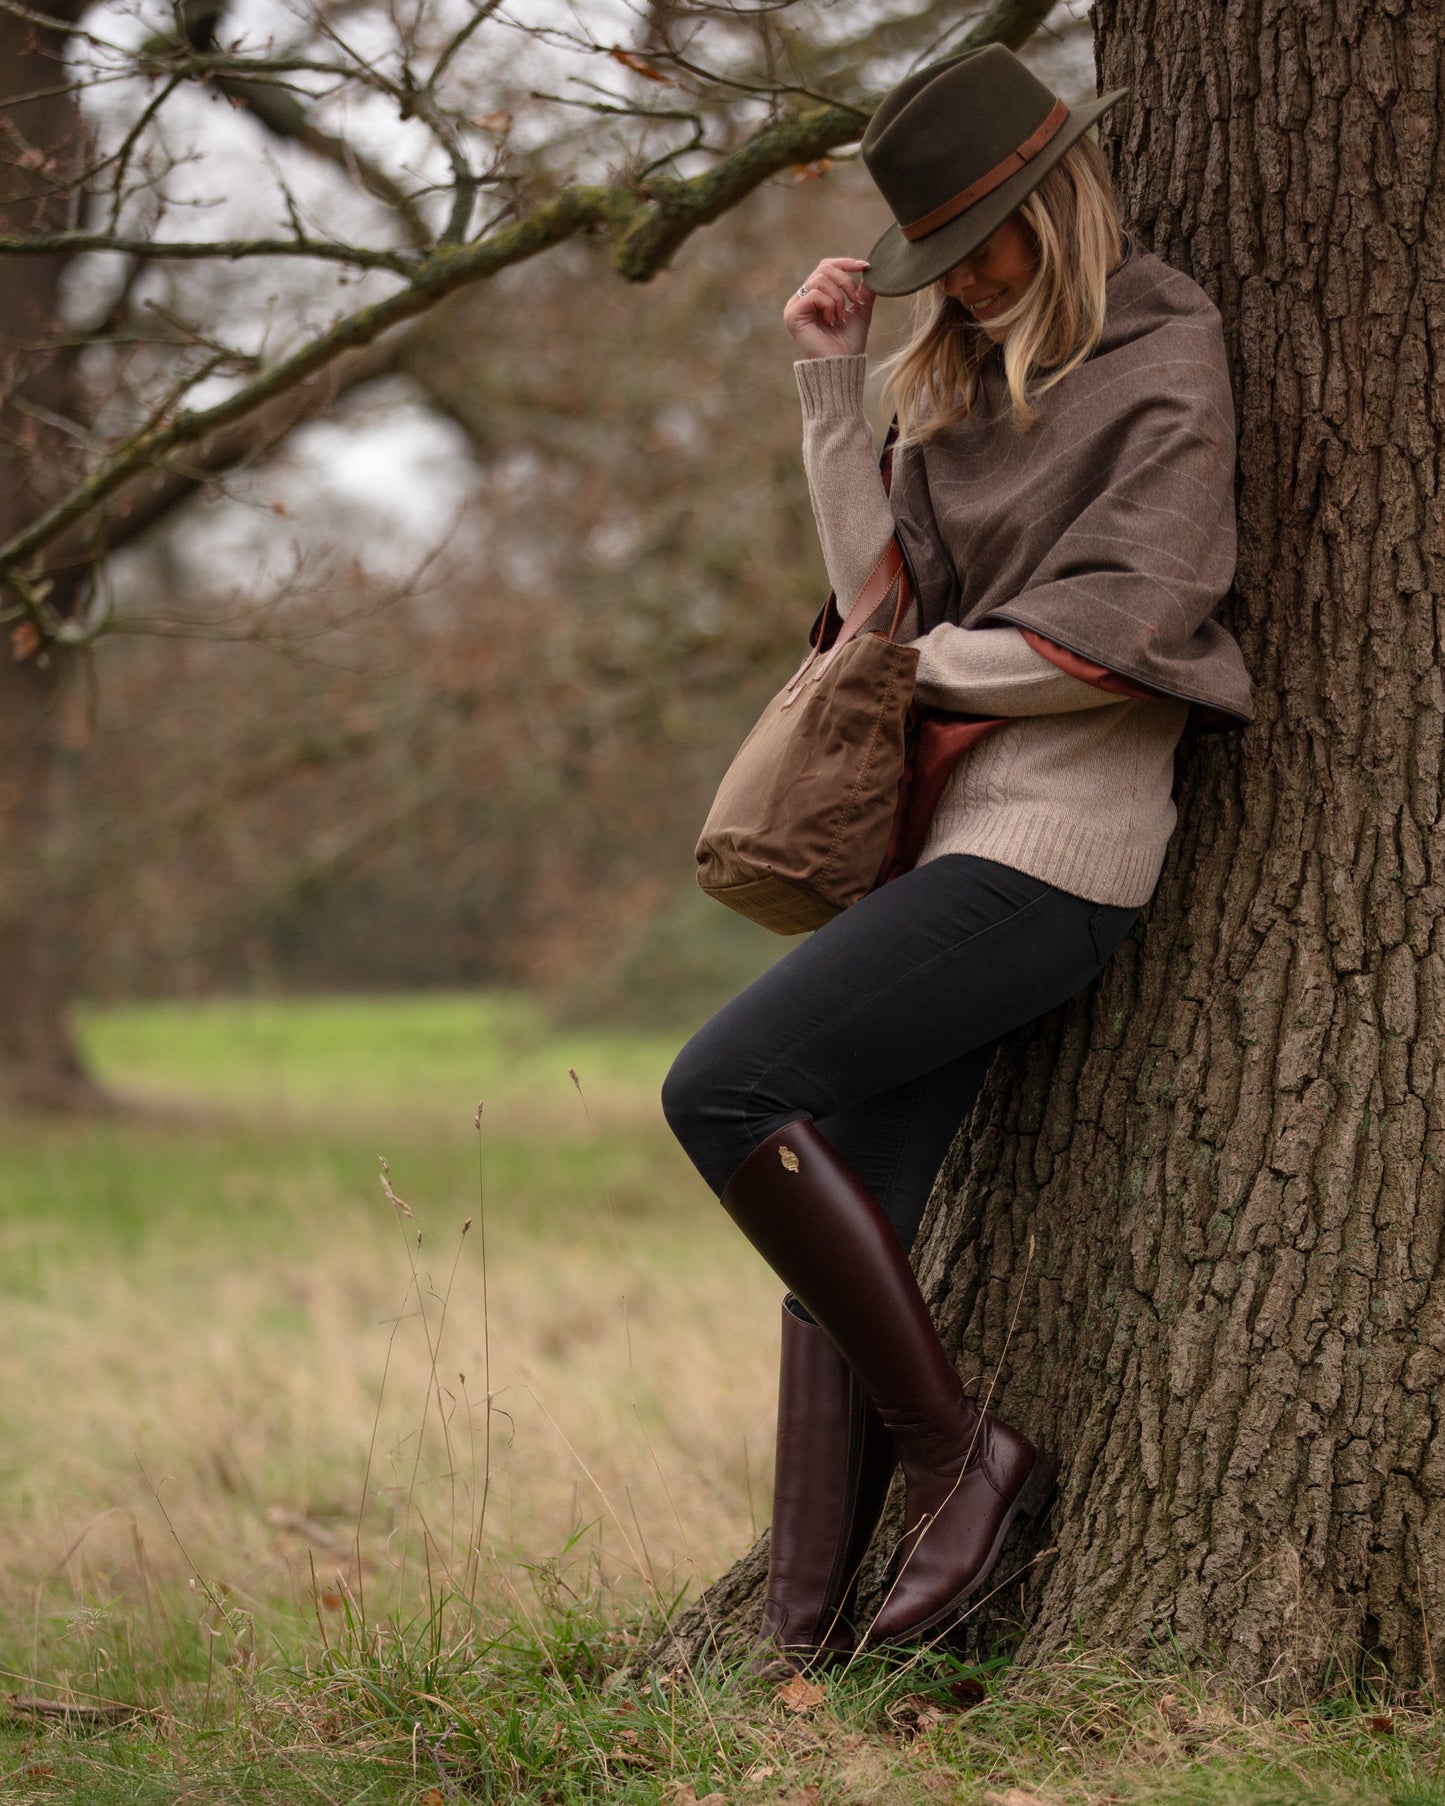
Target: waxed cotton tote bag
x: 801, y: 824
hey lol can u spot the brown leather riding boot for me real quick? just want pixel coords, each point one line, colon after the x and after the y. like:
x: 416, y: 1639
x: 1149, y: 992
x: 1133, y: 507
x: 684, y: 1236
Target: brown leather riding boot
x: 968, y: 1473
x: 834, y: 1462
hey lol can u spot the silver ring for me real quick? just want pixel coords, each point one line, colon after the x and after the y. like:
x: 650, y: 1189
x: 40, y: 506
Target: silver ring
x: 804, y: 289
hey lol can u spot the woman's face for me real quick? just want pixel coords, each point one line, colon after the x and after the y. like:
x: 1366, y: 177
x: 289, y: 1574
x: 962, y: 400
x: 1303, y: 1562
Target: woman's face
x: 993, y: 277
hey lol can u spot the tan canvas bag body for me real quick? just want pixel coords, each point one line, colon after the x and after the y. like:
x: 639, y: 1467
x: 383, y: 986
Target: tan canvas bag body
x: 801, y: 823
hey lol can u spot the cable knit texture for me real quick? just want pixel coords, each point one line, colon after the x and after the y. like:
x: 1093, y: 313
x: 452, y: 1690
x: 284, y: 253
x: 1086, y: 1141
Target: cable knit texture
x: 1076, y: 789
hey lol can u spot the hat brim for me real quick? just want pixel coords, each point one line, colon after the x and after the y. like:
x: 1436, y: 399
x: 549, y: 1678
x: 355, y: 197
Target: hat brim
x: 900, y: 266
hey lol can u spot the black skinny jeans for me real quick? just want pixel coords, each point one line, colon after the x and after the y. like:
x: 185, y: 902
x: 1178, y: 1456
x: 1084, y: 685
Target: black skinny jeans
x: 879, y: 1027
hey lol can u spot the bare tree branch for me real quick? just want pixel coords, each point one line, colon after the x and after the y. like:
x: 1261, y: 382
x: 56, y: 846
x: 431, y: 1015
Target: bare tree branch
x: 1010, y: 22
x: 483, y: 11
x: 646, y: 217
x: 152, y: 494
x: 226, y: 249
x: 647, y: 226
x: 250, y: 83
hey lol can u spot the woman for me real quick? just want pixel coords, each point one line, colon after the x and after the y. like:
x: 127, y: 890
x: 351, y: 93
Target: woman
x: 1062, y: 488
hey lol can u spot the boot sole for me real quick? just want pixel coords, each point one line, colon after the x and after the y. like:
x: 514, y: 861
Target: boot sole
x: 1032, y: 1499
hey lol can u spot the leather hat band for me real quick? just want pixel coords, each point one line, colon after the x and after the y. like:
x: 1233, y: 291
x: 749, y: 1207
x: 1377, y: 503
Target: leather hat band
x: 1000, y: 172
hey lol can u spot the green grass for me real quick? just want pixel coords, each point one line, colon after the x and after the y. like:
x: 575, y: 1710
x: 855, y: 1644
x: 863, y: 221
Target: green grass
x: 255, y: 1500
x: 429, y: 1057
x: 217, y: 1344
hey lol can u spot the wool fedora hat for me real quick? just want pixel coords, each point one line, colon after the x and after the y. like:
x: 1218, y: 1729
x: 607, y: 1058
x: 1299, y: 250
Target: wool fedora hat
x: 953, y: 149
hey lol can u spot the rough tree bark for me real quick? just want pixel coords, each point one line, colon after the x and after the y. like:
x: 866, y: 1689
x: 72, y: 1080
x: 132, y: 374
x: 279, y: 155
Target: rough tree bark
x: 1195, y: 1226
x: 41, y: 141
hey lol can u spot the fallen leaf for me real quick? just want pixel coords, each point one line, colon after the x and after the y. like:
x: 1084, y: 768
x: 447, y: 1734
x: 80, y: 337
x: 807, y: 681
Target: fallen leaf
x: 812, y: 172
x: 433, y: 1797
x: 915, y: 1714
x: 634, y: 1757
x: 24, y: 641
x: 1014, y: 1796
x: 1383, y: 1724
x: 800, y: 1694
x: 967, y: 1692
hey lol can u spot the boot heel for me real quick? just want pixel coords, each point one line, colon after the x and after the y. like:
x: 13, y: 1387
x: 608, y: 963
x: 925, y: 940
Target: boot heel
x: 1038, y: 1489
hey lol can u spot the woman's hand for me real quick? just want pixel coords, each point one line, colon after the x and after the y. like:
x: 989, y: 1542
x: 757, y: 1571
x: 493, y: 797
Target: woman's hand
x: 829, y: 315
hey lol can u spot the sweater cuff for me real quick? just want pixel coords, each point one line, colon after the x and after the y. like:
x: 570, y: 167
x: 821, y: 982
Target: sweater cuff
x: 831, y: 386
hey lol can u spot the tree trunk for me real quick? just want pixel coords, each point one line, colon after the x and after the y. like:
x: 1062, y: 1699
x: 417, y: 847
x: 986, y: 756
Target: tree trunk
x: 1195, y: 1226
x: 41, y: 144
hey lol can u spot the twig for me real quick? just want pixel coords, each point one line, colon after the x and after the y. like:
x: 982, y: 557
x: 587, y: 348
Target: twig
x: 24, y: 1705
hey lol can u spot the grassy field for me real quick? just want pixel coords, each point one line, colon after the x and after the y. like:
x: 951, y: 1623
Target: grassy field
x: 264, y: 1539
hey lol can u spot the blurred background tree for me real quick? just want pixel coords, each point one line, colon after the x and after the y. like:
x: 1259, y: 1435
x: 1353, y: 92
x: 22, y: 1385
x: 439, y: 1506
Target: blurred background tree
x: 435, y: 689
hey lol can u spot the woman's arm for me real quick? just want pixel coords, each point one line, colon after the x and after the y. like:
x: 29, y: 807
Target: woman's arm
x: 828, y: 317
x: 854, y: 520
x: 994, y: 671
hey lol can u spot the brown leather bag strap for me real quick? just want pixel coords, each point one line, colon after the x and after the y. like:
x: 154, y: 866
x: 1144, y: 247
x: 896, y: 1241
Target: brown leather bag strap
x: 891, y: 568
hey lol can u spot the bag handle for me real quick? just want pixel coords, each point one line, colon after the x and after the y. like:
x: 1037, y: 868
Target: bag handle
x: 891, y: 568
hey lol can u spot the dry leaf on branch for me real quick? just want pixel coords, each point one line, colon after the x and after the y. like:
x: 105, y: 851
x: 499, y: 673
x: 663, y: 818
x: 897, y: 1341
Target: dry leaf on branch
x: 639, y: 67
x: 24, y: 641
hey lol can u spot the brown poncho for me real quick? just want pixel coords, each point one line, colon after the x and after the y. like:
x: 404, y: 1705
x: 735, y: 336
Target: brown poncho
x: 1109, y: 526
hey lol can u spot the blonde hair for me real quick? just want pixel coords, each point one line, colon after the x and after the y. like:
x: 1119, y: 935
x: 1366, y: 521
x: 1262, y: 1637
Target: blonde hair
x: 1075, y: 221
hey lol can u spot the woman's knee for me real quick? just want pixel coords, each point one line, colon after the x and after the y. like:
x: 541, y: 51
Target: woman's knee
x: 692, y: 1082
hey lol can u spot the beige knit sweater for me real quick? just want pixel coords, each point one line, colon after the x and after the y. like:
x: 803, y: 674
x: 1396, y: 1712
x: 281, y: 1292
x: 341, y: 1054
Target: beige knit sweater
x: 1076, y: 788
